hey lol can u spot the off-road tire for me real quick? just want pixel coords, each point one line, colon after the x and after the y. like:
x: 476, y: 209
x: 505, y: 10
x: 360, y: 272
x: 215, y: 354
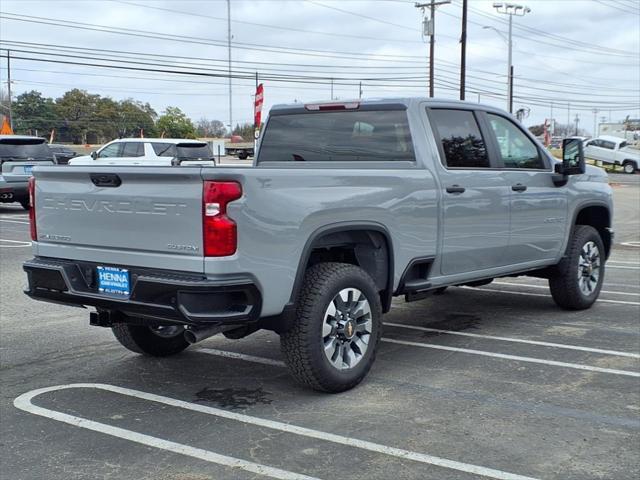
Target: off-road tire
x: 141, y: 339
x: 302, y: 345
x: 563, y: 283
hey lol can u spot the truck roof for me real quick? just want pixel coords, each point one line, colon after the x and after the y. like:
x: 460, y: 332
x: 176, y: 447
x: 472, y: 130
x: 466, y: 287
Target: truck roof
x: 158, y: 140
x: 21, y: 137
x: 382, y: 102
x: 610, y: 138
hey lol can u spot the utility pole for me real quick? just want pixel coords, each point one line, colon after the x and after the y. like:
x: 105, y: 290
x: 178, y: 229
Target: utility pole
x: 577, y: 120
x: 568, y: 114
x: 230, y: 86
x: 332, y: 89
x: 463, y: 51
x: 511, y: 89
x: 595, y: 122
x: 9, y: 88
x: 511, y: 10
x: 429, y: 29
x: 360, y: 90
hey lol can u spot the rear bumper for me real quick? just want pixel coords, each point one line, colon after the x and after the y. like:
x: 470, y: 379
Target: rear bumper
x: 168, y: 296
x: 13, y: 191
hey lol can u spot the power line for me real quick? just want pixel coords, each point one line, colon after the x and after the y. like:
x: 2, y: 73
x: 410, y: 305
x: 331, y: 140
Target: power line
x: 264, y: 25
x: 251, y: 68
x: 580, y: 105
x: 610, y: 5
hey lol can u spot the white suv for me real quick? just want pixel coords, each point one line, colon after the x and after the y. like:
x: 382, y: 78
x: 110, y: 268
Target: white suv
x: 149, y: 151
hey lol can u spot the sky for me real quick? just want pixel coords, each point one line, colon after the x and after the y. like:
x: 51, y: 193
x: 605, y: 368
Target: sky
x: 570, y: 56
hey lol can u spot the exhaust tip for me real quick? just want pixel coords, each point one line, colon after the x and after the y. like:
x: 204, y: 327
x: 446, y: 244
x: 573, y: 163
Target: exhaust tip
x: 190, y: 337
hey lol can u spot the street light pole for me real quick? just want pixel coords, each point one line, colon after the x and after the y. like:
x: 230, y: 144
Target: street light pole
x: 510, y: 9
x: 510, y: 63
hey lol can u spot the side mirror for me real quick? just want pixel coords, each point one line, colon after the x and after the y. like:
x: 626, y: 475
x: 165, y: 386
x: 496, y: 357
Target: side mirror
x: 572, y: 157
x: 94, y: 155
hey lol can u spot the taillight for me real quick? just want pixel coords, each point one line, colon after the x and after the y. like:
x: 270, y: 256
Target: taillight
x: 32, y: 208
x: 220, y: 235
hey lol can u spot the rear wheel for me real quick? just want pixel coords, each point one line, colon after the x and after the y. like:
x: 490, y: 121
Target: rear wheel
x: 578, y: 280
x: 629, y: 167
x: 332, y: 344
x: 159, y: 341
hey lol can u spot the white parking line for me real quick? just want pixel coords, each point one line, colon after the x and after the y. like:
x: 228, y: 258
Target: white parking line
x: 515, y: 340
x: 24, y: 402
x: 19, y: 244
x: 518, y: 358
x: 545, y: 287
x: 620, y: 267
x: 495, y: 290
x: 14, y: 221
x: 241, y: 356
x: 623, y: 262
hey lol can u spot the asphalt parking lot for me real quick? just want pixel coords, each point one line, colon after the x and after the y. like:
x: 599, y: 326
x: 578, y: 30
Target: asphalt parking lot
x: 491, y: 382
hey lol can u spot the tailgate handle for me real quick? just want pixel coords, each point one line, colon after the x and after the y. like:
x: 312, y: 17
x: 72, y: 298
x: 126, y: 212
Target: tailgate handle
x: 105, y: 180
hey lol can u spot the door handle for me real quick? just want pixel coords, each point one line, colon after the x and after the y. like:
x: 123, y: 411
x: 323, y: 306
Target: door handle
x: 455, y: 189
x: 518, y: 187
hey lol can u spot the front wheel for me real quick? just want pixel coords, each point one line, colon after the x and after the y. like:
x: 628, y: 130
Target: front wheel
x: 332, y: 344
x: 579, y: 275
x: 159, y: 341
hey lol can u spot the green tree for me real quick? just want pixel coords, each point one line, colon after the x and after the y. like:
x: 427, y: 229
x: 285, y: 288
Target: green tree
x: 76, y: 109
x: 175, y: 124
x: 245, y: 131
x: 33, y: 114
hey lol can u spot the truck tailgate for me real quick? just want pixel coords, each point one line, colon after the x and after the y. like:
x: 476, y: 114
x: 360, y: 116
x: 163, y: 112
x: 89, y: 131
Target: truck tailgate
x: 145, y: 216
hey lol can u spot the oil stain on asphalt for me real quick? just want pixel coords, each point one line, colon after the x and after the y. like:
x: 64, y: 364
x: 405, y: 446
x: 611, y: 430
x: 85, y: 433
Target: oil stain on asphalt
x: 234, y: 398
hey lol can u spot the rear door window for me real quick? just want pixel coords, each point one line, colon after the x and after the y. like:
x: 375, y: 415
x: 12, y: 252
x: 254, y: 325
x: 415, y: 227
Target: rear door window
x: 133, y: 149
x: 461, y: 142
x: 608, y: 145
x: 346, y: 136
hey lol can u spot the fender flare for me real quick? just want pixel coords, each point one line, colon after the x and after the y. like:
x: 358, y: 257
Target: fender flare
x: 348, y: 226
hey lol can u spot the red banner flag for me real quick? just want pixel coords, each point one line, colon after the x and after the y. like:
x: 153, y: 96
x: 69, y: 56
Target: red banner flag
x: 257, y: 112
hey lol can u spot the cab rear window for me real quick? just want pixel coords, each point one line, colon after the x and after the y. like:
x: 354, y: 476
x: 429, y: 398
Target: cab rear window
x: 343, y: 136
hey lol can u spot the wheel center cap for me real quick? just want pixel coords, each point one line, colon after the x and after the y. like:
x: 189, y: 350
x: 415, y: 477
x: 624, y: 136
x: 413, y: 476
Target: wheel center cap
x: 349, y: 329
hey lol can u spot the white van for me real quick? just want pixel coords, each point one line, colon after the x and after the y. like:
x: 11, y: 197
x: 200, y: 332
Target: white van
x: 149, y: 151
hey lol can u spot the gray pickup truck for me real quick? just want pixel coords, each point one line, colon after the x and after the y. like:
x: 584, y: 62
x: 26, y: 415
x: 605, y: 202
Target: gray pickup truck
x: 347, y: 205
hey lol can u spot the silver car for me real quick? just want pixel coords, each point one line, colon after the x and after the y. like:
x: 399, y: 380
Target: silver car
x: 18, y: 155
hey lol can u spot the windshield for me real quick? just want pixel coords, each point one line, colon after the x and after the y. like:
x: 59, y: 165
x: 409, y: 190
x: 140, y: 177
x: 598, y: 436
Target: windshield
x: 193, y: 151
x: 338, y: 136
x: 24, y: 149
